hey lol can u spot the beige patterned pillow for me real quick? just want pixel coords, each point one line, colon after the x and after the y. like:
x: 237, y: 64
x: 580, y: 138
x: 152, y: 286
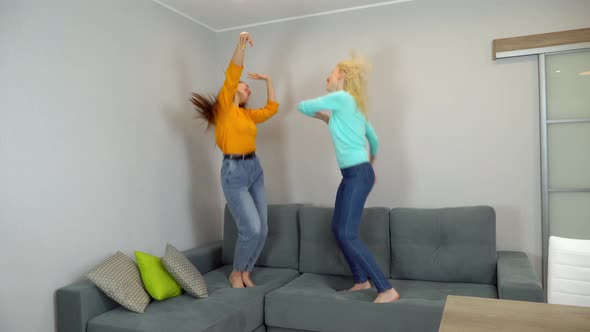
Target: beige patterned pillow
x: 118, y: 277
x: 184, y: 272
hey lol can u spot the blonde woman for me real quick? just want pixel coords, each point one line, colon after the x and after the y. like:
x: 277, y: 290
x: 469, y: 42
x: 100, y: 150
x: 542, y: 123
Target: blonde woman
x: 349, y: 127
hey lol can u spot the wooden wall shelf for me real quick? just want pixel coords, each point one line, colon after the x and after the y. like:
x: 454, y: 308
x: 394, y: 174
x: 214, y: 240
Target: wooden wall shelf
x: 541, y: 43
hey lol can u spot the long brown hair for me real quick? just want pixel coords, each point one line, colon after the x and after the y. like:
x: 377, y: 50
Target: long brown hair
x: 206, y: 107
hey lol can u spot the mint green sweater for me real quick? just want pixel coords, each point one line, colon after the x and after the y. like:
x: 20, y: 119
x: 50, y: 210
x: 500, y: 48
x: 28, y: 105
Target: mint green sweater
x: 348, y: 127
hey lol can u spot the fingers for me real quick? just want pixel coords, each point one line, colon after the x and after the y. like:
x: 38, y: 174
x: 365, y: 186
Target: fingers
x: 245, y: 38
x: 256, y: 76
x: 242, y: 40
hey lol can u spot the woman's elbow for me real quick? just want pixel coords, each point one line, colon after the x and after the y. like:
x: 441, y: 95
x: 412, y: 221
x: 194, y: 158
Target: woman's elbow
x: 302, y: 107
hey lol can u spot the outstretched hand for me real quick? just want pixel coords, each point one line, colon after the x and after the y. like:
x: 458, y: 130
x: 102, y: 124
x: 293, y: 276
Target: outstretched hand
x: 239, y: 53
x: 322, y: 116
x: 255, y: 76
x: 245, y: 38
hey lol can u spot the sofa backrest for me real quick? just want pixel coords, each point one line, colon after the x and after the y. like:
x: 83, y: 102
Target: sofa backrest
x: 319, y: 251
x: 445, y: 245
x: 282, y: 244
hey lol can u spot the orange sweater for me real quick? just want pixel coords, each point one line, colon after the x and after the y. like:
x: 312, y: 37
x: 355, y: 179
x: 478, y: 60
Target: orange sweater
x: 235, y: 127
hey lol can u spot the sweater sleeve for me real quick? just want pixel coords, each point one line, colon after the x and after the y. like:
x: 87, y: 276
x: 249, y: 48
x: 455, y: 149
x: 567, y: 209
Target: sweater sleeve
x: 230, y: 85
x: 265, y: 113
x: 335, y: 101
x: 372, y: 138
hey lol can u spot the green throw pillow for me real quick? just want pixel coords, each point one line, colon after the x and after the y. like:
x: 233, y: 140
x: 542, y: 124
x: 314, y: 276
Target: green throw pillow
x: 157, y: 281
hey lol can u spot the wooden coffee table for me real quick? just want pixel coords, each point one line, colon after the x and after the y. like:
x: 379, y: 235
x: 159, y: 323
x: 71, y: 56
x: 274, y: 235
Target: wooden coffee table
x: 489, y: 315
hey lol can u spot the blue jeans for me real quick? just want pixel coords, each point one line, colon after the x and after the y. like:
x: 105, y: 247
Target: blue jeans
x: 357, y: 182
x: 243, y: 186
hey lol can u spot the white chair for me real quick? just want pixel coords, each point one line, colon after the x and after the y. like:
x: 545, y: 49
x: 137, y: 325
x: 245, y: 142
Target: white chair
x: 568, y: 278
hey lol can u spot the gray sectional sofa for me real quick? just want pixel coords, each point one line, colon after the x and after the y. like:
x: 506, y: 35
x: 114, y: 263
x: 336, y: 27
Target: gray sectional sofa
x: 302, y: 277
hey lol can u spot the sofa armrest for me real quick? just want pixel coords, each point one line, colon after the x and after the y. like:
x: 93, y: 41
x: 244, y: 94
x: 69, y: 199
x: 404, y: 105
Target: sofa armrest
x: 517, y: 279
x: 206, y: 258
x: 77, y: 303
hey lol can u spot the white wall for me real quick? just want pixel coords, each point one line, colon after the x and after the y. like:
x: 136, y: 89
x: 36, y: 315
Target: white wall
x: 99, y: 150
x: 456, y: 128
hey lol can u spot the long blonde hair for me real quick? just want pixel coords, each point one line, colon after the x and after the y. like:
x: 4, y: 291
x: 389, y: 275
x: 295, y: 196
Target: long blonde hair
x: 355, y: 72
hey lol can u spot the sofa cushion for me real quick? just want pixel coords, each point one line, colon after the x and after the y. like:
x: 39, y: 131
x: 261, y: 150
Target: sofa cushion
x: 225, y: 309
x: 432, y: 290
x: 318, y: 302
x: 118, y: 277
x: 282, y: 244
x: 449, y: 245
x: 320, y: 252
x: 280, y: 329
x: 157, y: 280
x: 184, y: 272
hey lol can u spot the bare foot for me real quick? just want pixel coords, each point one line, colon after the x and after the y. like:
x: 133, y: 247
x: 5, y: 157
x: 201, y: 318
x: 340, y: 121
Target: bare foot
x: 236, y: 280
x: 387, y: 297
x: 357, y: 287
x: 247, y: 281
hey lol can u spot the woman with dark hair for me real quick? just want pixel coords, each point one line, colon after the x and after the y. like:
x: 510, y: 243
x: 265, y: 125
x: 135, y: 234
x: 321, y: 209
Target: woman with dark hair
x: 242, y: 177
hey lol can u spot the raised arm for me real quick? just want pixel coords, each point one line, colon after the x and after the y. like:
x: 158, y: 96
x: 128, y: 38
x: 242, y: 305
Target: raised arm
x: 272, y: 107
x: 234, y: 71
x: 240, y: 51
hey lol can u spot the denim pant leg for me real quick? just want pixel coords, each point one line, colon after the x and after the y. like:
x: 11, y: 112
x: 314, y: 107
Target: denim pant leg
x: 338, y: 224
x: 258, y: 194
x: 235, y: 184
x: 358, y: 182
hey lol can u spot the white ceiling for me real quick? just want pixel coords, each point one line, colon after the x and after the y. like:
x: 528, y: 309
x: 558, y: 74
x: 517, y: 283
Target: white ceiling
x: 223, y: 15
